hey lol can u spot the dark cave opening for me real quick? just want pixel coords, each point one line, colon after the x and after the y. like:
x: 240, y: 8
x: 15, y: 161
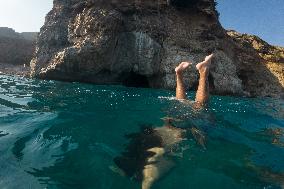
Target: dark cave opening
x: 133, y: 79
x: 244, y: 75
x: 211, y: 82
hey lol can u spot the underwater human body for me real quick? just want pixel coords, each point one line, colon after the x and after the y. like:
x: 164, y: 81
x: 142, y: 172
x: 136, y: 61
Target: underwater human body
x: 148, y: 155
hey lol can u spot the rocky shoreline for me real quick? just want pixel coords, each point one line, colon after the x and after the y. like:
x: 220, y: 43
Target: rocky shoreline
x: 16, y: 51
x: 138, y: 43
x: 19, y: 70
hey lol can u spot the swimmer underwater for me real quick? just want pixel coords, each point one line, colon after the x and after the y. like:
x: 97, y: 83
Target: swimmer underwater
x: 146, y: 156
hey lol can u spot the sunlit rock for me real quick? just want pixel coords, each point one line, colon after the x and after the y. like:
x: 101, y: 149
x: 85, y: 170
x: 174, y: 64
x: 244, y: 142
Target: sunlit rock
x: 139, y: 43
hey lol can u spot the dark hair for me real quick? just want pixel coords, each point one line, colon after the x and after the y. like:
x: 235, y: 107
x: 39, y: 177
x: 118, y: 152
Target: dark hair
x: 134, y: 158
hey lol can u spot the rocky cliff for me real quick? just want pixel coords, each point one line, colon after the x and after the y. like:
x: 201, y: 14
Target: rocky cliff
x: 16, y: 48
x: 139, y: 43
x: 261, y: 67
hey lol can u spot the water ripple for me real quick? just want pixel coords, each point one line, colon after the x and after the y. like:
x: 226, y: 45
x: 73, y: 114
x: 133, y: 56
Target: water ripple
x: 65, y: 135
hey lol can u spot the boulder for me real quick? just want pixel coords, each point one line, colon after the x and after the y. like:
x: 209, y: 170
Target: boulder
x: 140, y: 42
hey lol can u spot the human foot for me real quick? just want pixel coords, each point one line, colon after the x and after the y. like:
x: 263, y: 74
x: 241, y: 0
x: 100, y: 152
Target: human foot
x: 203, y: 67
x: 181, y: 67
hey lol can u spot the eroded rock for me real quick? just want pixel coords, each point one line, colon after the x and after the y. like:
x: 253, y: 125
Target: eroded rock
x: 139, y: 43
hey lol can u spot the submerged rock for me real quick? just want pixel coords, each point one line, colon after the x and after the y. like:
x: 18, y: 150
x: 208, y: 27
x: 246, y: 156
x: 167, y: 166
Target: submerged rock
x: 139, y: 43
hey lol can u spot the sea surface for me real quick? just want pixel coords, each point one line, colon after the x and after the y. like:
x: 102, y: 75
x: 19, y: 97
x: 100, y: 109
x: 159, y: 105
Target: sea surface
x: 57, y: 135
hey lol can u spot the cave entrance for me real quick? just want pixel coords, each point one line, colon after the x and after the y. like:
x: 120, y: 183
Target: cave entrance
x: 136, y: 80
x: 211, y: 83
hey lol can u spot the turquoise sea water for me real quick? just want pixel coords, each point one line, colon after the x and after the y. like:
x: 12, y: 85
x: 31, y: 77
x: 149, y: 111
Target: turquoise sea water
x: 58, y: 135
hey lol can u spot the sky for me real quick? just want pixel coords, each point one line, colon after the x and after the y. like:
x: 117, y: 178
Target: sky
x: 24, y: 15
x: 264, y: 18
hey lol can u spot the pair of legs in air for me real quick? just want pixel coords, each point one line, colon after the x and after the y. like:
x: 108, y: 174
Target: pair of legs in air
x: 202, y: 94
x: 157, y: 164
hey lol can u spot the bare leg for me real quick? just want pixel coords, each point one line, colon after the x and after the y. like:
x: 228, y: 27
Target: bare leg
x: 180, y: 88
x: 202, y: 94
x: 151, y: 170
x: 156, y: 167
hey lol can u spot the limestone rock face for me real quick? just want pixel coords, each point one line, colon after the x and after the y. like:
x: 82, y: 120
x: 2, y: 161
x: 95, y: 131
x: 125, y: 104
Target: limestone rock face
x: 261, y: 65
x: 139, y: 43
